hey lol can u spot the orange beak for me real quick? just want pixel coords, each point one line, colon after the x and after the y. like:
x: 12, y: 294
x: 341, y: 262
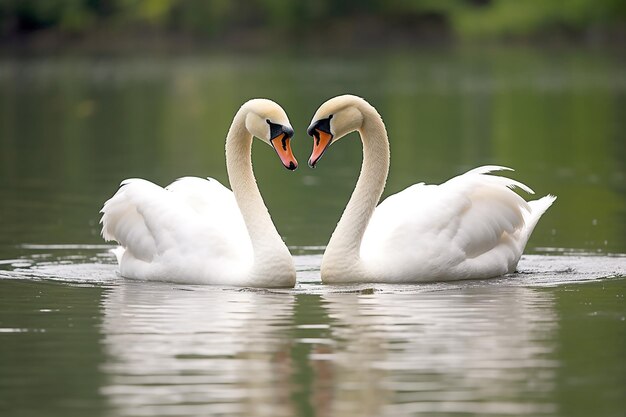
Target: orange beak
x: 321, y: 142
x: 282, y: 146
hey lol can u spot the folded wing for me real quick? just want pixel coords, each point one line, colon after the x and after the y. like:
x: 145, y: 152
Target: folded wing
x: 192, y: 219
x: 472, y: 225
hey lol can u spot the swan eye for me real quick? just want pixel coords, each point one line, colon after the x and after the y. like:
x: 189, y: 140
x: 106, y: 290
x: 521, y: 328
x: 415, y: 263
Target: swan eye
x: 277, y: 130
x: 322, y: 125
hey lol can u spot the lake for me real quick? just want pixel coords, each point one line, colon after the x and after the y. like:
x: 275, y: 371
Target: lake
x: 76, y: 339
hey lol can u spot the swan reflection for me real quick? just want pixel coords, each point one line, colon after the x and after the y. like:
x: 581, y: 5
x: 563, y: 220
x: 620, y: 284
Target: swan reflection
x: 196, y: 350
x: 484, y: 351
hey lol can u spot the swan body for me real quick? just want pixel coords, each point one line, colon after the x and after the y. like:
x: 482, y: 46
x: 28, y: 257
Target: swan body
x: 472, y: 226
x: 196, y: 230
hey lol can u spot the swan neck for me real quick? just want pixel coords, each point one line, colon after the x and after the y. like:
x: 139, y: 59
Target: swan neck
x: 345, y: 243
x: 267, y: 244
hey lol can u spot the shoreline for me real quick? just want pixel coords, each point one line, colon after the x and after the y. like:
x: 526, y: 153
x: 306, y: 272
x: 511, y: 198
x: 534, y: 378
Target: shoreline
x: 259, y: 41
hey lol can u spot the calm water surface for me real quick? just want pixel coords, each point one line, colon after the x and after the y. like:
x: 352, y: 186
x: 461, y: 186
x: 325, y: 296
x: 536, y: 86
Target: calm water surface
x: 76, y: 339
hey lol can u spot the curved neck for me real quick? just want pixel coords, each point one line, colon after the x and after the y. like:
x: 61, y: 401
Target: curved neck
x: 345, y: 243
x: 267, y: 245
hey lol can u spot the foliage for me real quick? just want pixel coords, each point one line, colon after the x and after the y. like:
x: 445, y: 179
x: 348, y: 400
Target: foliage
x: 514, y: 17
x: 304, y: 18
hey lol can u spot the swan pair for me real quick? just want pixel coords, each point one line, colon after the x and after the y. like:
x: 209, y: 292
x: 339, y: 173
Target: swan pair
x: 198, y: 231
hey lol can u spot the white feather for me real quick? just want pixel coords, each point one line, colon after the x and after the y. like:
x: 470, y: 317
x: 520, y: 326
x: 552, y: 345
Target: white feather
x: 472, y: 226
x: 195, y: 230
x: 193, y: 225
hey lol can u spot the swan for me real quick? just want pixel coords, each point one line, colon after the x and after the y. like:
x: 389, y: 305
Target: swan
x: 472, y: 226
x: 196, y: 230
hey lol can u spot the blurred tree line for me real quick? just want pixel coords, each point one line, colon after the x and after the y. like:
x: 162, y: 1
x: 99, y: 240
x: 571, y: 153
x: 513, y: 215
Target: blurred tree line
x: 355, y: 20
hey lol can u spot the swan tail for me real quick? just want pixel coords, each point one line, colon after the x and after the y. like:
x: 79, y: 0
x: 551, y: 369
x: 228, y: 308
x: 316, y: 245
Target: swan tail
x: 531, y: 217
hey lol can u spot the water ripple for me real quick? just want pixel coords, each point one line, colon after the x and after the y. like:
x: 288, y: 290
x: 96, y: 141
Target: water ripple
x: 475, y: 348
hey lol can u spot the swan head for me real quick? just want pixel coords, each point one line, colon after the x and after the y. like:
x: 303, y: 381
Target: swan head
x: 268, y: 121
x: 333, y: 120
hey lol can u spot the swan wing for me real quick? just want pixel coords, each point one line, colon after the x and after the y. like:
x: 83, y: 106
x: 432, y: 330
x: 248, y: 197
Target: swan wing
x: 191, y: 220
x: 217, y: 210
x: 473, y: 225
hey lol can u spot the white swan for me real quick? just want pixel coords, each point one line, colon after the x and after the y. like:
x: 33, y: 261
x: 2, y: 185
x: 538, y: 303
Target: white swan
x: 198, y: 231
x: 472, y: 226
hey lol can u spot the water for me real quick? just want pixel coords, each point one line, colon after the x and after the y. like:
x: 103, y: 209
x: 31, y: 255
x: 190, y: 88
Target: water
x: 76, y: 339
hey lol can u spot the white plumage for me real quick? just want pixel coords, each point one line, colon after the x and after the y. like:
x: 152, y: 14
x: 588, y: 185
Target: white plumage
x: 190, y: 231
x: 472, y: 226
x: 198, y: 231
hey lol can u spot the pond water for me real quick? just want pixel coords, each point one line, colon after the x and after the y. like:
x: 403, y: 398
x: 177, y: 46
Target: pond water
x: 76, y: 339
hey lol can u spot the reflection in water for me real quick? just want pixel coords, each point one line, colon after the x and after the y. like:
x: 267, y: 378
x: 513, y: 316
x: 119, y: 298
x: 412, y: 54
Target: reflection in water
x: 467, y: 352
x: 199, y: 352
x: 203, y: 351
